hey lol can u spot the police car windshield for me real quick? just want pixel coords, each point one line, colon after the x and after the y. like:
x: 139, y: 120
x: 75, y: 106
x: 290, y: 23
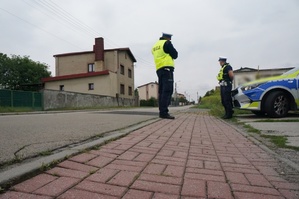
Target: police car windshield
x: 291, y: 71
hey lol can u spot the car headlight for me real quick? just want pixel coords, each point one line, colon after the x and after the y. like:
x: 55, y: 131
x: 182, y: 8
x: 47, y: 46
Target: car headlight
x: 249, y: 87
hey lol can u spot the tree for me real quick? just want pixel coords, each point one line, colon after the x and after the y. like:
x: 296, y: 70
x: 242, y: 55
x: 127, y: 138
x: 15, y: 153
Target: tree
x: 183, y: 100
x: 208, y: 93
x: 136, y: 93
x: 17, y: 71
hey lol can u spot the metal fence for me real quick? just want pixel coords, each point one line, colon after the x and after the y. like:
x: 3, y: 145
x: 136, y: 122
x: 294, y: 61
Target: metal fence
x: 14, y: 98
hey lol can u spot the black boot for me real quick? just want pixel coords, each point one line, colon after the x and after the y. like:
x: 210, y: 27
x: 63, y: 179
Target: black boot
x: 167, y: 117
x: 229, y: 116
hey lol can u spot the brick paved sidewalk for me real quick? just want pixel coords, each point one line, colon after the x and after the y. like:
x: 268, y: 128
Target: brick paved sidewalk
x: 193, y: 156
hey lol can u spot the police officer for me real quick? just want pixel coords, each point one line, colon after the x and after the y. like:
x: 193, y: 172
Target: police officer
x: 164, y: 54
x: 225, y: 78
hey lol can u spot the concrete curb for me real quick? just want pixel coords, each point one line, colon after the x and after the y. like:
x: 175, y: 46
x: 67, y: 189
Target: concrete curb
x: 25, y: 169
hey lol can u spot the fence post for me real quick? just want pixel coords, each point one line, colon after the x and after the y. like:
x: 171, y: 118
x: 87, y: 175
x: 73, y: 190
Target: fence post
x: 42, y: 100
x: 32, y: 100
x: 11, y: 98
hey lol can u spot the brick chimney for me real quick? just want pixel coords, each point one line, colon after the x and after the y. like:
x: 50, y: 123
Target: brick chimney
x: 99, y: 49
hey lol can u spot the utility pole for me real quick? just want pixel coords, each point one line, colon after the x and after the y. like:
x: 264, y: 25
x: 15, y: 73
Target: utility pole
x: 175, y: 95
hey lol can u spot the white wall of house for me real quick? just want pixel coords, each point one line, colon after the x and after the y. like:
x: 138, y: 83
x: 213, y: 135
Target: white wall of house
x: 148, y: 91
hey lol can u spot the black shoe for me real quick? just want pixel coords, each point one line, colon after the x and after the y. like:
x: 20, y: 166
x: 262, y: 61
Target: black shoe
x: 227, y: 117
x: 167, y: 117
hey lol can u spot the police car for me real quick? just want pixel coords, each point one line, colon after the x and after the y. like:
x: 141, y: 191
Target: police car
x: 273, y: 96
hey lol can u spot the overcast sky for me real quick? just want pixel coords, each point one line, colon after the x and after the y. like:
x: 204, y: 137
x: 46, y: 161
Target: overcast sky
x: 250, y: 33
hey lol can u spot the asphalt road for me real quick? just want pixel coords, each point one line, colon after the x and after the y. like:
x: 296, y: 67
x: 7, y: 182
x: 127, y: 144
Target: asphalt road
x: 28, y: 135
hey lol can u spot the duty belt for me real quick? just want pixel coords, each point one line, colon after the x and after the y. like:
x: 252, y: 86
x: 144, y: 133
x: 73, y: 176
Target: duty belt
x: 224, y: 83
x: 168, y: 68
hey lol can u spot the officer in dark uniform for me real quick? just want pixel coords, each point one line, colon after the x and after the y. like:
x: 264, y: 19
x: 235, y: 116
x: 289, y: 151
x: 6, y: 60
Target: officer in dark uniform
x: 225, y: 78
x: 164, y: 54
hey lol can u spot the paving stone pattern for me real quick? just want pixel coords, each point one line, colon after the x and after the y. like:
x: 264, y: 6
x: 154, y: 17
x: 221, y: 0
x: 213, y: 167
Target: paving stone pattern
x: 194, y: 156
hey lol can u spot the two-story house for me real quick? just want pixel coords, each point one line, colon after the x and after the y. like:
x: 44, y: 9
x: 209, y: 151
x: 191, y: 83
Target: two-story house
x: 149, y: 90
x: 105, y: 72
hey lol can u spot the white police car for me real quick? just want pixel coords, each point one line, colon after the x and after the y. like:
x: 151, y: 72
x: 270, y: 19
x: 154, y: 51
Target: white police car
x: 273, y: 96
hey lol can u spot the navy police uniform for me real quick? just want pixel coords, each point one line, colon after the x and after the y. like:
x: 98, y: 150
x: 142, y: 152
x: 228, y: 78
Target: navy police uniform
x: 164, y: 54
x: 225, y: 83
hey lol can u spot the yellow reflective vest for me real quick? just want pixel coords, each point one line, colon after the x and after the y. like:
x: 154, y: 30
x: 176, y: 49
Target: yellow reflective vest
x: 220, y: 74
x: 161, y: 58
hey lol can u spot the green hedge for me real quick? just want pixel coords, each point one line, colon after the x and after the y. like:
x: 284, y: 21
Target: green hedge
x: 153, y: 102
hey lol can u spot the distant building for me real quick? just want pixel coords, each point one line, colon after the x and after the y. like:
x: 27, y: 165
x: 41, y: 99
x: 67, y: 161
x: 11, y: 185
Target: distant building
x: 151, y: 90
x: 148, y: 91
x: 106, y: 72
x: 246, y: 74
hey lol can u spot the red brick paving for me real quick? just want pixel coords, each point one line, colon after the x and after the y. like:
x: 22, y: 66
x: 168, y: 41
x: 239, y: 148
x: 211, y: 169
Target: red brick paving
x: 103, y: 175
x: 80, y: 194
x: 193, y: 156
x: 57, y: 186
x: 34, y: 183
x: 84, y: 157
x: 58, y: 171
x: 194, y: 188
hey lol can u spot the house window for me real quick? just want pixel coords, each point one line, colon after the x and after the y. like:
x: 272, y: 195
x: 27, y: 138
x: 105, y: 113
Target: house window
x: 129, y: 73
x: 61, y: 87
x: 122, y: 69
x: 130, y: 91
x: 122, y: 89
x: 90, y: 86
x: 91, y: 67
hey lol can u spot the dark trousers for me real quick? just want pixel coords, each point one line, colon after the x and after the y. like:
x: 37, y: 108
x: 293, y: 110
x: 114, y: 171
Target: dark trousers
x: 165, y: 80
x: 226, y: 99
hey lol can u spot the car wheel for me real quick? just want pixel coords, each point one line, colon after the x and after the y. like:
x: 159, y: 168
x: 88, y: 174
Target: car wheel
x: 277, y: 104
x: 259, y: 113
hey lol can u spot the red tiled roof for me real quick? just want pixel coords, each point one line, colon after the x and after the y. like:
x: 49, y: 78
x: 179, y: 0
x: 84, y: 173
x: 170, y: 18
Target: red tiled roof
x: 75, y: 76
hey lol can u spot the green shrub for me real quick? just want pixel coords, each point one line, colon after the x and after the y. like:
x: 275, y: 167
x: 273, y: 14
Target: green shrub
x: 212, y: 102
x: 153, y: 102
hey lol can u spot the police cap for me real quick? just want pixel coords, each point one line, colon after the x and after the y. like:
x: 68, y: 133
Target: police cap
x: 221, y: 58
x: 166, y: 35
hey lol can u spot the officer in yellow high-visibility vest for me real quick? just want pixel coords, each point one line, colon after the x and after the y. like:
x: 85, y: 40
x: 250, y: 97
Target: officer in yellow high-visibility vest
x: 225, y: 78
x: 164, y: 54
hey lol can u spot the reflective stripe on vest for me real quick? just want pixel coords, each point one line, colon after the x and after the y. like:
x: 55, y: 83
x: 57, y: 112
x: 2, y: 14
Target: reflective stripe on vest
x: 220, y: 74
x: 161, y: 58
